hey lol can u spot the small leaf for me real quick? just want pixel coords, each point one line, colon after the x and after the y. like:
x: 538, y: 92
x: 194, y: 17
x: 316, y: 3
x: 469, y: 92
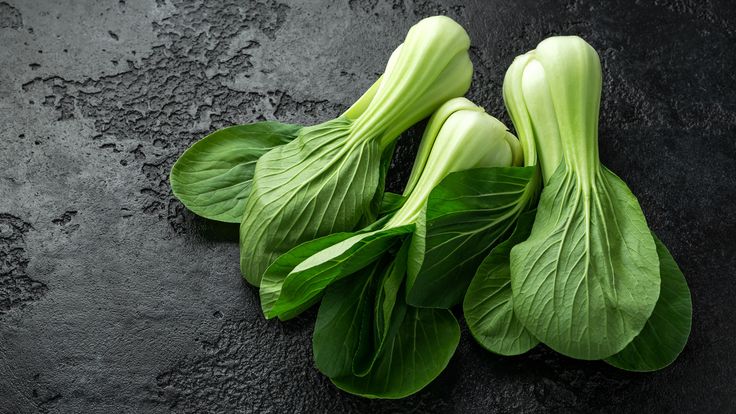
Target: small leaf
x: 274, y: 277
x: 390, y: 353
x: 348, y: 335
x: 587, y: 279
x: 665, y: 334
x: 488, y: 305
x: 213, y: 177
x: 466, y: 215
x: 311, y: 276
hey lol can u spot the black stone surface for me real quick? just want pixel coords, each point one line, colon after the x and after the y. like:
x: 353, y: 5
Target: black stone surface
x: 113, y: 298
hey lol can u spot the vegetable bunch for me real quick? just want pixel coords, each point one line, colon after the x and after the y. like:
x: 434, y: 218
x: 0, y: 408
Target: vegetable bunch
x: 587, y: 276
x: 535, y: 238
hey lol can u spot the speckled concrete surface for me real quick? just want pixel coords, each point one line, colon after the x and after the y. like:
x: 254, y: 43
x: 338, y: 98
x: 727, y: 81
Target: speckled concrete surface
x: 113, y: 298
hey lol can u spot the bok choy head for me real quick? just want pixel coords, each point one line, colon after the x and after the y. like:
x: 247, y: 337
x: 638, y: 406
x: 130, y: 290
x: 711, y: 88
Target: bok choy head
x: 460, y: 136
x: 330, y: 177
x: 587, y: 278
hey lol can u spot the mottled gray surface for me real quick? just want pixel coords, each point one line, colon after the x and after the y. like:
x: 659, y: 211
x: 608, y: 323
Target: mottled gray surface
x: 115, y: 299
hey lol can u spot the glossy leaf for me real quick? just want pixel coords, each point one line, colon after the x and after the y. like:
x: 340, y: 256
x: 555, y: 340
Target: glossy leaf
x: 466, y: 215
x: 213, y: 178
x: 665, y: 334
x: 410, y: 346
x: 417, y: 353
x: 356, y: 316
x: 307, y: 279
x: 587, y: 279
x: 343, y: 321
x: 488, y: 305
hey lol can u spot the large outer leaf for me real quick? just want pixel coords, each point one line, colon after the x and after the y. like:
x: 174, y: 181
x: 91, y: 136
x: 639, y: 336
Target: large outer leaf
x: 343, y: 322
x: 213, y: 177
x: 488, y: 305
x: 309, y: 278
x: 417, y: 353
x: 316, y: 185
x: 587, y: 279
x: 665, y: 334
x: 466, y: 215
x: 356, y: 316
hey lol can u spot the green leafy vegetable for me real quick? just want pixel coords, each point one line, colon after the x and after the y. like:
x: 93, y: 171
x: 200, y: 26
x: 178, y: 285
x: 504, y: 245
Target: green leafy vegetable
x: 587, y: 279
x: 214, y: 176
x: 328, y: 179
x: 462, y: 136
x: 371, y: 343
x: 285, y: 290
x: 665, y: 334
x: 488, y: 305
x: 466, y: 214
x: 357, y: 315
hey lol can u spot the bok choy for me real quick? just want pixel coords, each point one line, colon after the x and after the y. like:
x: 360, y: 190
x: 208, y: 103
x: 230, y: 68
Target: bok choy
x: 330, y: 177
x: 367, y: 338
x: 460, y: 136
x: 590, y: 281
x: 213, y: 177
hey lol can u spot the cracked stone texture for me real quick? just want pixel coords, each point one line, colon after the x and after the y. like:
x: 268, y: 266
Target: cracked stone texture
x: 113, y: 298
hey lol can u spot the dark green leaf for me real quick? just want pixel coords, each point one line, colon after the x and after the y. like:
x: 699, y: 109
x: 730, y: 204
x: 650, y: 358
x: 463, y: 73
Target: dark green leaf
x: 488, y: 306
x: 466, y: 215
x: 348, y: 335
x: 390, y: 353
x: 665, y: 334
x: 274, y: 277
x: 587, y: 279
x: 343, y: 322
x: 390, y: 203
x: 416, y: 354
x: 307, y: 279
x: 213, y: 177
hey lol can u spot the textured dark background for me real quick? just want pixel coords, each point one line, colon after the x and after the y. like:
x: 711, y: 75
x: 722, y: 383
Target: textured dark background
x: 113, y: 298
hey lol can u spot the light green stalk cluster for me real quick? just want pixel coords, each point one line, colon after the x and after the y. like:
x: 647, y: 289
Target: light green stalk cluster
x: 556, y: 104
x: 459, y: 136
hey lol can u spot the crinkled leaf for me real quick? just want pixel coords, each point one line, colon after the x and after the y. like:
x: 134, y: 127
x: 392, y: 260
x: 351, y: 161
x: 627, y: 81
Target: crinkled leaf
x: 466, y: 215
x: 311, y: 276
x: 665, y: 334
x: 587, y: 279
x: 311, y: 187
x: 488, y: 306
x: 214, y: 176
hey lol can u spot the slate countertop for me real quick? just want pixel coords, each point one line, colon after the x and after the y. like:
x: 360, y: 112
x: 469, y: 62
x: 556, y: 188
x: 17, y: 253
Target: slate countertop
x: 113, y: 298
